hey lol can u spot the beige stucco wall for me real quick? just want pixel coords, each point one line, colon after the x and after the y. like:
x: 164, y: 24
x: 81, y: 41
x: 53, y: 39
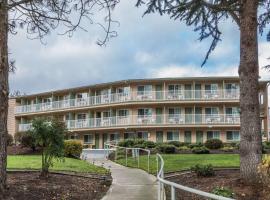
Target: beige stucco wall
x: 11, y: 117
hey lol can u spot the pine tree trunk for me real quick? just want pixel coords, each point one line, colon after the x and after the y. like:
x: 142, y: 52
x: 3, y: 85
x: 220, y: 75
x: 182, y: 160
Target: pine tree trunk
x: 251, y: 140
x: 3, y: 93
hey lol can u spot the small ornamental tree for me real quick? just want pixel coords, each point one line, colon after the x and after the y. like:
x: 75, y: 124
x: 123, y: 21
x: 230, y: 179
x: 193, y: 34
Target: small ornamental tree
x: 49, y: 135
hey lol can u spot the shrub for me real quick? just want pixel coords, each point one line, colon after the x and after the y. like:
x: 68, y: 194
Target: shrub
x: 227, y: 149
x: 266, y: 145
x: 138, y: 146
x: 203, y: 170
x: 139, y: 141
x: 223, y: 191
x: 264, y: 170
x: 178, y: 144
x: 175, y: 143
x: 149, y: 144
x: 9, y: 140
x: 127, y: 143
x: 195, y: 145
x: 72, y: 148
x: 200, y: 150
x: 27, y: 140
x: 214, y: 144
x: 166, y: 148
x: 183, y: 148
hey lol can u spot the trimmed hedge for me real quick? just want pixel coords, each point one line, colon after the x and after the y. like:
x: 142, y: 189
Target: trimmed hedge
x: 214, y: 144
x: 72, y: 148
x: 200, y: 150
x: 166, y: 148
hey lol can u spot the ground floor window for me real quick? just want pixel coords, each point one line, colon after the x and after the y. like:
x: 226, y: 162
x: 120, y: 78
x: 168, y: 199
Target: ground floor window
x: 143, y: 135
x: 172, y: 136
x: 187, y: 137
x: 114, y: 137
x: 199, y: 137
x: 74, y: 137
x: 213, y: 135
x: 88, y: 139
x: 129, y: 135
x: 233, y: 136
x: 159, y: 136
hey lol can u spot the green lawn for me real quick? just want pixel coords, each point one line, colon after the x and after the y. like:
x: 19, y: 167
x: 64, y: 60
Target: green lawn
x: 176, y: 162
x: 69, y: 164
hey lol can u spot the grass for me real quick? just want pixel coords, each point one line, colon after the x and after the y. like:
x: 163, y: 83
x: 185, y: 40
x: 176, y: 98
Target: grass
x: 178, y: 162
x: 33, y: 162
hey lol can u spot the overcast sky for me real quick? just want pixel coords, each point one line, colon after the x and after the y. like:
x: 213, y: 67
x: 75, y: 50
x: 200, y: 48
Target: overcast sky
x: 146, y: 47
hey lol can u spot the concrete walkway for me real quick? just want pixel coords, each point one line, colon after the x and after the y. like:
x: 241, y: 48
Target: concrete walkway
x: 128, y: 183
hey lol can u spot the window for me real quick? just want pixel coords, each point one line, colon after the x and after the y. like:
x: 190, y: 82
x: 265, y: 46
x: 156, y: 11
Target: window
x: 74, y: 136
x: 144, y: 112
x: 213, y: 135
x: 123, y: 90
x: 82, y: 96
x: 47, y: 101
x: 174, y: 89
x: 233, y: 136
x: 231, y: 86
x: 81, y: 116
x: 172, y: 136
x: 122, y: 113
x: 173, y: 112
x: 114, y: 137
x: 232, y: 111
x: 211, y: 111
x: 106, y: 114
x: 144, y: 89
x: 187, y: 138
x: 142, y: 135
x: 129, y: 135
x: 211, y: 88
x: 88, y: 139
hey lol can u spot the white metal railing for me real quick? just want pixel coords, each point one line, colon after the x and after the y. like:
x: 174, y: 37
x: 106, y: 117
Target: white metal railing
x: 165, y: 95
x: 162, y: 182
x: 112, y: 145
x: 158, y: 120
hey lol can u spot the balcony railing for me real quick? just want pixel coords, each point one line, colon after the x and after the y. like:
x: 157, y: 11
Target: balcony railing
x: 135, y: 120
x: 185, y: 95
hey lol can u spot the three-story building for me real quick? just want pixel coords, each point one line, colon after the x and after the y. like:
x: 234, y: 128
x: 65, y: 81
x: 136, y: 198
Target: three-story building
x: 168, y: 109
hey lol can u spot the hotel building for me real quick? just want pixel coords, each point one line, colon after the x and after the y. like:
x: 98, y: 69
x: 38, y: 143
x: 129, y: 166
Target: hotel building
x: 183, y: 109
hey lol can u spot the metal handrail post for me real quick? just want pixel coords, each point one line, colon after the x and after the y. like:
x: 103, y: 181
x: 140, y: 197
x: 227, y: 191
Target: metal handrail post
x: 126, y: 156
x: 172, y: 193
x: 138, y: 155
x: 148, y: 161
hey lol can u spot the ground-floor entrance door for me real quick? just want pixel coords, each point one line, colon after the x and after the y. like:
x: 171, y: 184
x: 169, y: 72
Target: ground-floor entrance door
x: 97, y: 141
x: 199, y: 137
x: 159, y: 136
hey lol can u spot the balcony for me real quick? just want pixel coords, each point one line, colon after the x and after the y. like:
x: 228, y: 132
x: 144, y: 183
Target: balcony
x: 154, y: 120
x: 187, y: 95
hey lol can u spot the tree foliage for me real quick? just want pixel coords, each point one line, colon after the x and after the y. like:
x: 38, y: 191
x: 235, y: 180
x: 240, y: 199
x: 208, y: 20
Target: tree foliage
x: 49, y: 135
x: 206, y: 15
x: 39, y: 17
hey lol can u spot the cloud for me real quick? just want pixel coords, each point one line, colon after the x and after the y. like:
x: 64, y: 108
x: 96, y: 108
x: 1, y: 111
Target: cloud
x: 190, y: 71
x: 149, y: 46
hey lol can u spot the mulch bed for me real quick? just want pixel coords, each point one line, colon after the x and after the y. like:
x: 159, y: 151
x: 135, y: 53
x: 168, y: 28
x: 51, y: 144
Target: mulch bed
x: 19, y: 150
x: 29, y: 186
x: 228, y: 178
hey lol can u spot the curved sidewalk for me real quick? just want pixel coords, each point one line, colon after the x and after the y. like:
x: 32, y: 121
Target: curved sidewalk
x: 128, y: 183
